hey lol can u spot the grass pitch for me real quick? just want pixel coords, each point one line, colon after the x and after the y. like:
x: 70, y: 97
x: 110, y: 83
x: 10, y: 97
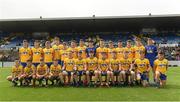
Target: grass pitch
x: 170, y: 93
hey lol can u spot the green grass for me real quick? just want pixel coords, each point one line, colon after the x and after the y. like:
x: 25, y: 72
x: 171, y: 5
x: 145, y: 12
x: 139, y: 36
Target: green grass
x: 170, y: 93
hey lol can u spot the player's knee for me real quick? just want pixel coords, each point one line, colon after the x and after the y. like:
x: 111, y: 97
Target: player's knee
x: 123, y: 73
x: 9, y: 78
x: 87, y: 72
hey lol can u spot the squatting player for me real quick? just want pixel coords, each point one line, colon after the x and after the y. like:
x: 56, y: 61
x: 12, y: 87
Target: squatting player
x: 17, y: 71
x: 160, y: 68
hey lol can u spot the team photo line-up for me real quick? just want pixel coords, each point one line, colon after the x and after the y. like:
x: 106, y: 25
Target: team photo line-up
x: 80, y: 65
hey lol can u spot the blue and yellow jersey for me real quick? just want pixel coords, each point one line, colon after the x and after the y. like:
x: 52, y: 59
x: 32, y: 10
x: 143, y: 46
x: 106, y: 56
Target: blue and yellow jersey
x: 41, y: 70
x: 104, y: 64
x: 36, y: 54
x: 120, y: 52
x: 29, y: 70
x: 80, y: 64
x: 125, y: 63
x: 69, y: 64
x: 92, y: 63
x: 55, y: 70
x: 110, y: 50
x: 83, y: 50
x: 17, y: 70
x: 114, y: 64
x: 48, y: 55
x: 130, y: 52
x: 99, y: 50
x: 74, y: 51
x: 137, y: 51
x: 25, y: 54
x: 161, y: 65
x: 57, y: 48
x: 63, y: 54
x: 142, y: 64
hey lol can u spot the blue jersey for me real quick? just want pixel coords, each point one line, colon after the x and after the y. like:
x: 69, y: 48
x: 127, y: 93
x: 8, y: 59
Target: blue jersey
x: 151, y: 53
x: 88, y: 50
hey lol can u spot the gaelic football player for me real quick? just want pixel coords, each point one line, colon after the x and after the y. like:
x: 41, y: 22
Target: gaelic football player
x: 63, y: 53
x: 130, y: 49
x: 68, y: 69
x: 101, y: 49
x: 115, y: 66
x: 55, y: 73
x: 48, y: 53
x: 92, y: 65
x: 139, y: 47
x: 17, y: 71
x: 90, y: 48
x: 111, y: 49
x: 37, y: 53
x: 42, y: 73
x: 120, y: 50
x: 29, y: 73
x: 127, y: 74
x: 82, y: 48
x: 73, y: 49
x: 57, y: 47
x: 104, y: 69
x: 160, y: 68
x: 24, y: 53
x: 80, y: 66
x: 142, y: 66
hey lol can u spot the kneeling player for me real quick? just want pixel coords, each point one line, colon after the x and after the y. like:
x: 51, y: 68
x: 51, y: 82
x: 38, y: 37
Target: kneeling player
x: 55, y: 73
x: 142, y: 69
x: 80, y: 66
x: 115, y: 66
x: 17, y: 71
x: 91, y: 66
x: 160, y: 67
x: 68, y: 69
x: 103, y: 69
x: 127, y: 74
x: 29, y: 73
x: 42, y: 73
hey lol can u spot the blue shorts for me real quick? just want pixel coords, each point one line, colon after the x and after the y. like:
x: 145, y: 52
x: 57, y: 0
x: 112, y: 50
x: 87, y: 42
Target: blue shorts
x: 144, y: 76
x: 35, y: 64
x: 49, y: 64
x: 62, y: 63
x: 69, y: 73
x: 59, y: 62
x: 103, y: 73
x: 163, y: 76
x: 80, y: 73
x: 23, y: 64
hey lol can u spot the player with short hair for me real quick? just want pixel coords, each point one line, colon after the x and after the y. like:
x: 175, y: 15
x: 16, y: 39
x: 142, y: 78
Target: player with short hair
x: 138, y: 48
x: 68, y: 68
x: 142, y: 66
x: 73, y: 49
x: 82, y: 48
x: 103, y: 69
x: 115, y: 66
x: 110, y: 49
x: 57, y: 47
x: 80, y: 66
x: 48, y: 53
x: 63, y: 53
x: 24, y: 53
x: 17, y: 71
x: 151, y: 53
x: 160, y: 68
x: 55, y: 73
x: 42, y: 73
x: 90, y: 48
x: 120, y: 50
x: 129, y: 49
x: 29, y: 73
x: 37, y: 53
x: 127, y: 74
x: 101, y: 49
x: 92, y: 65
